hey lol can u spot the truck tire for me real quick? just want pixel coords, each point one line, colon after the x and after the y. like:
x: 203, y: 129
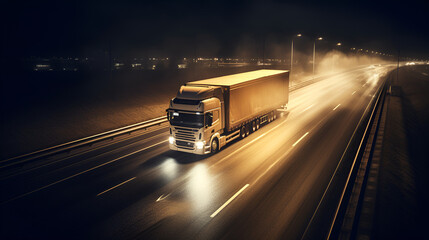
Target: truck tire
x: 269, y: 117
x: 247, y: 129
x: 274, y: 115
x: 214, y: 148
x: 243, y: 131
x: 258, y: 125
x: 253, y: 126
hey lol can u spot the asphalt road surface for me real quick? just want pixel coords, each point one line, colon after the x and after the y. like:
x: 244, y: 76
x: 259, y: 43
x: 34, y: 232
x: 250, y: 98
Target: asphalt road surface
x: 266, y: 186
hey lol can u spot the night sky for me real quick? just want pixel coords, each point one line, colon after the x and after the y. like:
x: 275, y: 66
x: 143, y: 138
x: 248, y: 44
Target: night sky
x: 213, y: 28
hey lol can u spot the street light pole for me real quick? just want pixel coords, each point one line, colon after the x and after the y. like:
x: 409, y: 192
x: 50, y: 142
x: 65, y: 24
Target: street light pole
x: 291, y: 55
x: 333, y: 57
x: 314, y: 53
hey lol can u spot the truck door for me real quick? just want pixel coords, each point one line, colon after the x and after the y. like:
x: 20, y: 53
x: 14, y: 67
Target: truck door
x: 212, y: 124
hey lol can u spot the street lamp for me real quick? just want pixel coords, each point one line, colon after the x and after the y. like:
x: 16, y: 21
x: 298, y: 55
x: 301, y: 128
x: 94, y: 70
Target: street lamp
x: 291, y: 54
x: 338, y: 45
x: 314, y: 52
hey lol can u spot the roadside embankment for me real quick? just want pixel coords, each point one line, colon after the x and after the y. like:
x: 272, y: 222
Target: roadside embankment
x: 403, y: 185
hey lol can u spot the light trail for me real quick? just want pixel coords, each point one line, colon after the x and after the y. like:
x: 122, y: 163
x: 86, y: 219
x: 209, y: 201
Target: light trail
x: 120, y: 184
x: 299, y: 140
x: 307, y: 108
x: 336, y: 107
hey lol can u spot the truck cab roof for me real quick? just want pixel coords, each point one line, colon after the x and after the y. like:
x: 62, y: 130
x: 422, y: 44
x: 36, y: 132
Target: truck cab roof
x: 195, y: 92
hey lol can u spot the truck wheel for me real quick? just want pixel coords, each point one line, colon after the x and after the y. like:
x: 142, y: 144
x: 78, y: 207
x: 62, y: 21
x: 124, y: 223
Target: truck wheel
x: 253, y: 126
x: 274, y: 115
x: 215, y: 146
x: 258, y: 125
x: 247, y: 129
x: 243, y: 131
x: 269, y: 117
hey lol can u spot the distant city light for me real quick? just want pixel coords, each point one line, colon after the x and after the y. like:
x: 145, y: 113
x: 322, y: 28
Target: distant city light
x: 181, y: 66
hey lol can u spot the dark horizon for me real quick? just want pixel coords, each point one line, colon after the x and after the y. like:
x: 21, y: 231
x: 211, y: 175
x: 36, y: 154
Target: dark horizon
x: 239, y: 28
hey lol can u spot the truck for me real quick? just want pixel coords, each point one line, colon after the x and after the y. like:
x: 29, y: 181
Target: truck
x: 207, y: 114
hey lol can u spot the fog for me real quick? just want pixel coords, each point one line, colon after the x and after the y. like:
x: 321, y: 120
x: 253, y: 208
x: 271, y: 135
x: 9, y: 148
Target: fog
x: 333, y: 61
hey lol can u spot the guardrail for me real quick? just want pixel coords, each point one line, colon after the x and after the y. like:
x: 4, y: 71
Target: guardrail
x: 366, y: 144
x: 81, y: 142
x: 341, y: 182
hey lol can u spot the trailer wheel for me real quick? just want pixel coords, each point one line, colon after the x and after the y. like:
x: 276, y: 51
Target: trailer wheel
x: 269, y: 117
x: 247, y: 129
x: 258, y: 125
x: 274, y: 115
x: 243, y: 131
x: 253, y: 126
x: 214, y: 146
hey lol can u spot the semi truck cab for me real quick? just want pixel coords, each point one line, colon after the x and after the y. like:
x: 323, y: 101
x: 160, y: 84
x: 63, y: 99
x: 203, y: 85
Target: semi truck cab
x: 196, y: 122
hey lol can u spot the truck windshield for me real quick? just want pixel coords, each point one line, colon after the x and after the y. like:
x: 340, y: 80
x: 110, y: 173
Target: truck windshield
x: 186, y: 119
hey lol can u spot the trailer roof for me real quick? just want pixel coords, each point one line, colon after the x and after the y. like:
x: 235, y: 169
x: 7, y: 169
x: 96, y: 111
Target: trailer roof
x: 234, y: 79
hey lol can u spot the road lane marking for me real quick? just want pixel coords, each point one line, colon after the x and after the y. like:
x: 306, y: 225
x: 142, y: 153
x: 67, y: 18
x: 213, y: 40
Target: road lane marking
x: 247, y: 144
x: 80, y: 173
x: 299, y: 140
x: 307, y: 108
x: 336, y: 107
x: 273, y: 164
x: 286, y: 153
x: 116, y: 186
x: 162, y: 197
x: 229, y: 201
x: 353, y: 92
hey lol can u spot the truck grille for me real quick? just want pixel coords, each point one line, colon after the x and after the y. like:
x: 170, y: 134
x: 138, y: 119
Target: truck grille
x: 185, y: 134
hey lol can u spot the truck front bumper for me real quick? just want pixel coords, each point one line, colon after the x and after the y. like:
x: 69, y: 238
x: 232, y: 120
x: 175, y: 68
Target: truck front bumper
x: 194, y: 150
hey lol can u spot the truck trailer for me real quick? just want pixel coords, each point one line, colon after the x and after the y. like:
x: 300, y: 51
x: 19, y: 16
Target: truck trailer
x: 207, y: 114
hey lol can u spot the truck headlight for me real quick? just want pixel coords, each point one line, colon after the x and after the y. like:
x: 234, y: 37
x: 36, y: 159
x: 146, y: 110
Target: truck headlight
x: 171, y: 140
x: 199, y: 144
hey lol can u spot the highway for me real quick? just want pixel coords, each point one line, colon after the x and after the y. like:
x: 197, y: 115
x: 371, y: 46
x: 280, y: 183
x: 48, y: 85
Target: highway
x: 266, y: 186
